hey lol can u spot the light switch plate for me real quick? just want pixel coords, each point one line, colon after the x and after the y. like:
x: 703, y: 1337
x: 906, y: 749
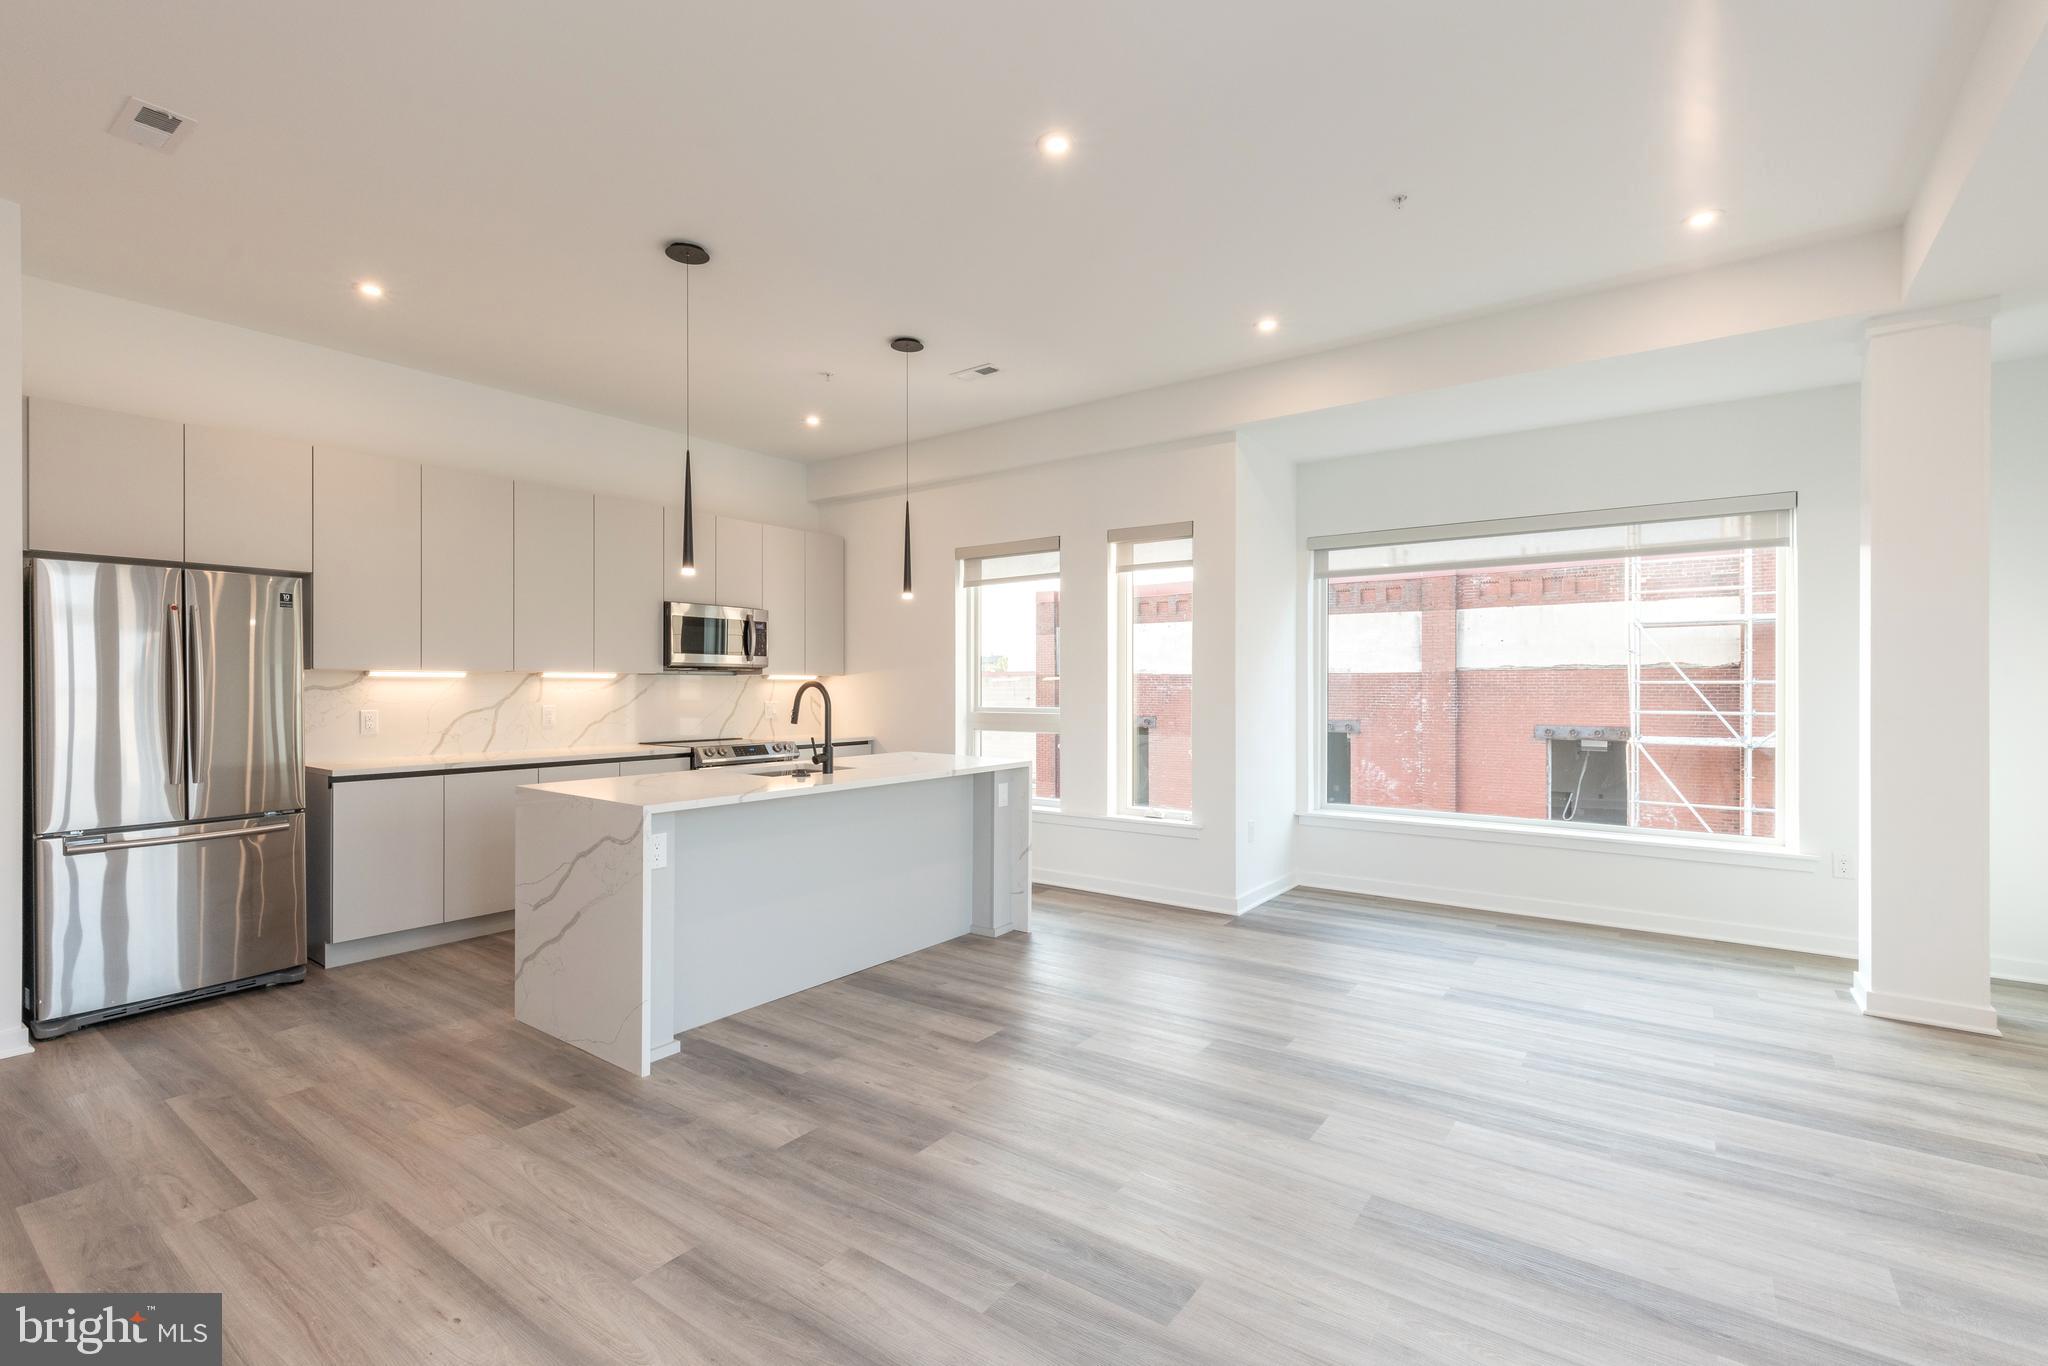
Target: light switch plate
x: 1003, y: 793
x: 657, y: 849
x: 367, y: 719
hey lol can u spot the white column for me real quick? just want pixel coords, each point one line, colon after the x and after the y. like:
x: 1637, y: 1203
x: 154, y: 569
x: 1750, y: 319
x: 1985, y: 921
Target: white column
x: 13, y: 1034
x: 1924, y: 791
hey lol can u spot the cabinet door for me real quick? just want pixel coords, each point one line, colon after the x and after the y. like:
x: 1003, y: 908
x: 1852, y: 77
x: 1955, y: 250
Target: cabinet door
x: 104, y: 483
x: 633, y: 768
x: 739, y: 565
x: 576, y: 773
x: 552, y: 579
x: 824, y: 604
x: 387, y: 856
x: 477, y: 858
x: 465, y: 571
x: 629, y: 586
x: 366, y: 561
x: 676, y: 586
x: 782, y: 593
x: 248, y: 500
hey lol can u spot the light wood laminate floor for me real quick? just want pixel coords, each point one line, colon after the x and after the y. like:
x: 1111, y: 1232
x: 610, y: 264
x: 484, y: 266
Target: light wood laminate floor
x: 1332, y: 1131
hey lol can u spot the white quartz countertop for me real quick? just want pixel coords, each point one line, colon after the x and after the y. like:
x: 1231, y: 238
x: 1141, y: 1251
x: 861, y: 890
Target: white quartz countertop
x: 518, y: 758
x: 504, y: 758
x: 658, y: 792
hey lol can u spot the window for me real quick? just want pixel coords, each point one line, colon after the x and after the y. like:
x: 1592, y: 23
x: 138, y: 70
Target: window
x: 1012, y: 604
x: 1618, y: 669
x: 1155, y: 593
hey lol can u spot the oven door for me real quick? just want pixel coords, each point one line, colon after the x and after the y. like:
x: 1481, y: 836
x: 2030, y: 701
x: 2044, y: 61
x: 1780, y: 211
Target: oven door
x: 704, y: 636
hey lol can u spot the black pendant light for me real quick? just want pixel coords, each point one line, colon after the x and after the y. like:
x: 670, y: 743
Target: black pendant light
x: 687, y: 254
x: 909, y: 346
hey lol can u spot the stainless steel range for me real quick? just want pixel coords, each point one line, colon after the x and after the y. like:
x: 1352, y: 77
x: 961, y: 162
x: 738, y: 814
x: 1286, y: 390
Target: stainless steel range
x: 733, y: 753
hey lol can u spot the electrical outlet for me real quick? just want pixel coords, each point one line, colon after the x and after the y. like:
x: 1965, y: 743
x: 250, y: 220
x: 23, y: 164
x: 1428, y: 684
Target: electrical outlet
x: 657, y: 849
x: 1251, y: 832
x: 367, y: 720
x: 1002, y: 794
x: 547, y: 716
x: 1845, y: 866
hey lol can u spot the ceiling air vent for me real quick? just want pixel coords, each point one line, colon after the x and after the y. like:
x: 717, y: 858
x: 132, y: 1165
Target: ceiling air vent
x: 149, y: 126
x: 975, y: 372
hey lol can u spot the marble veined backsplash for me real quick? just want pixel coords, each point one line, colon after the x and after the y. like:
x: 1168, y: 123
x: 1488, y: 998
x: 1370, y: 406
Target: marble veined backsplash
x: 487, y: 713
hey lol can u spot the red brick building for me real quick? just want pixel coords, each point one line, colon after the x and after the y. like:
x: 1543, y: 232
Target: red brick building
x: 1434, y: 705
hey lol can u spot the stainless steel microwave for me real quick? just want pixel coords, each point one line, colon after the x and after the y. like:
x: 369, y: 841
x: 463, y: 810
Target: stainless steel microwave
x: 702, y: 635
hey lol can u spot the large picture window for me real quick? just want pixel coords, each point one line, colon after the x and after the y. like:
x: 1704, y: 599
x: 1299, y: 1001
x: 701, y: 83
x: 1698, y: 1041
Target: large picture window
x: 1012, y: 600
x: 1613, y: 670
x: 1155, y: 595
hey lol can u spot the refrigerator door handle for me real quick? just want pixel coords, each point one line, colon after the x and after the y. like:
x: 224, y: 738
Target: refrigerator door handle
x: 101, y: 844
x: 175, y: 720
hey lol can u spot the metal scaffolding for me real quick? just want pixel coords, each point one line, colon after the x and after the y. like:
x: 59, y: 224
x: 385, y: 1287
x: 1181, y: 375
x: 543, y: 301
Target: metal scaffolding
x: 1743, y: 726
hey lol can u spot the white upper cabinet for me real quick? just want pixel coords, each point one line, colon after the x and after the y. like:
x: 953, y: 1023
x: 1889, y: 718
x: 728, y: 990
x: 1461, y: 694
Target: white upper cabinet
x: 465, y: 571
x: 676, y: 586
x: 824, y: 604
x: 629, y: 586
x: 739, y: 566
x: 553, y: 578
x: 104, y: 483
x: 366, y: 561
x: 248, y: 499
x: 782, y: 593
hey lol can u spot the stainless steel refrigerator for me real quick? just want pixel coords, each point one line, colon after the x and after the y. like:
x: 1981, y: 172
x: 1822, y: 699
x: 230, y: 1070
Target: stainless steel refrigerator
x: 167, y: 842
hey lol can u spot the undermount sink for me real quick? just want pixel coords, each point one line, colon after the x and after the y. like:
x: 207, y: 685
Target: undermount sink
x: 797, y: 771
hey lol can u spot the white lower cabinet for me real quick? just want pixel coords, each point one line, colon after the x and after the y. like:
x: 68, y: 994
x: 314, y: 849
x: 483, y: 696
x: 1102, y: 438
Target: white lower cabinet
x: 410, y: 852
x: 477, y: 840
x: 572, y: 773
x: 386, y: 860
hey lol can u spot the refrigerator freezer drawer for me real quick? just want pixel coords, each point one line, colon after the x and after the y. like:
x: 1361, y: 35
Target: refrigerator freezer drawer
x: 140, y: 915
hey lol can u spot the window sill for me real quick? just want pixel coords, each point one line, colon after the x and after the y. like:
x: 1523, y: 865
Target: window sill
x: 1131, y: 825
x: 1503, y: 832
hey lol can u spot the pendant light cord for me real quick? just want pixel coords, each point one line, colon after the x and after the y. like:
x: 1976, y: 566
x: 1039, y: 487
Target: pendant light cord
x: 688, y: 271
x: 906, y: 429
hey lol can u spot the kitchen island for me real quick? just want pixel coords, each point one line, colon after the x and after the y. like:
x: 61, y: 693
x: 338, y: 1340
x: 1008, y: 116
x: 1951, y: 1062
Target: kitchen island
x: 649, y: 905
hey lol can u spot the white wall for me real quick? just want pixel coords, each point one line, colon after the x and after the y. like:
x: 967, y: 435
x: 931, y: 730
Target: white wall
x: 905, y: 663
x: 13, y: 1034
x: 1271, y: 567
x: 1805, y: 442
x: 2019, y: 670
x: 113, y: 353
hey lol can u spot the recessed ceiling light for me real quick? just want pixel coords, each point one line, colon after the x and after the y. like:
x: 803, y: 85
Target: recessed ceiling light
x: 369, y: 289
x: 1269, y: 323
x: 813, y: 420
x: 1702, y: 219
x: 1055, y: 145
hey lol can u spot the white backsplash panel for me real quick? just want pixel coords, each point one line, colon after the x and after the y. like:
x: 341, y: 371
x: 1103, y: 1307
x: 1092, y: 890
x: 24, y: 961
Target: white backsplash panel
x: 489, y: 713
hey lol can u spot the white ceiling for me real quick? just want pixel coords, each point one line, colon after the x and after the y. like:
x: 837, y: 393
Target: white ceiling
x: 511, y: 169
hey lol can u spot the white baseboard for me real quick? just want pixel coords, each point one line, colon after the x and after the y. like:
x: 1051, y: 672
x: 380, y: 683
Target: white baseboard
x: 1607, y: 917
x: 1924, y: 1010
x: 2032, y: 971
x: 1264, y: 892
x: 340, y: 955
x: 15, y: 1042
x: 1138, y: 891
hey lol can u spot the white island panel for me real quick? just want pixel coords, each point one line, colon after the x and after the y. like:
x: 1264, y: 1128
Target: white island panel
x: 769, y: 885
x: 581, y: 966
